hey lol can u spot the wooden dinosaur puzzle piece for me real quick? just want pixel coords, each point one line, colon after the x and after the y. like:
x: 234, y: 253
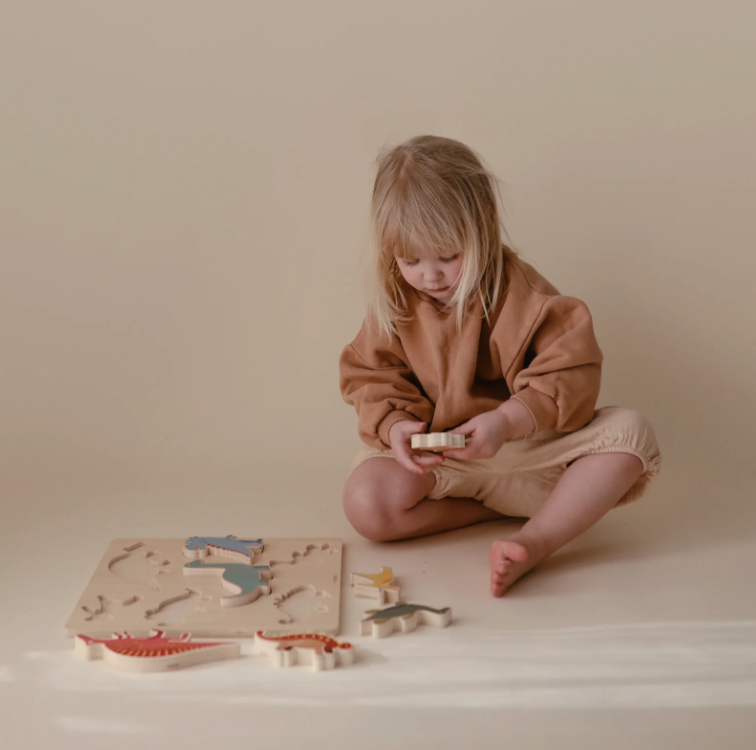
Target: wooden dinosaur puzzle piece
x: 405, y: 617
x: 242, y: 550
x: 437, y: 441
x: 376, y: 586
x: 141, y: 584
x: 157, y: 653
x: 319, y: 651
x: 246, y: 581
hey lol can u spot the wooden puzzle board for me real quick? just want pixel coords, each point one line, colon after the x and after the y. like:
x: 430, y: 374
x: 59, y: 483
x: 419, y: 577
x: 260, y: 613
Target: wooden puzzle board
x: 140, y: 586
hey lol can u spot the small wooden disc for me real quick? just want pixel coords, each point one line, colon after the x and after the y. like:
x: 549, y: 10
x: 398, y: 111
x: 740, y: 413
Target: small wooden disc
x: 437, y: 441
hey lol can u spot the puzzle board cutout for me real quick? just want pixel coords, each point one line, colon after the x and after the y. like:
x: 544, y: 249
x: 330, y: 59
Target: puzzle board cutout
x: 140, y: 585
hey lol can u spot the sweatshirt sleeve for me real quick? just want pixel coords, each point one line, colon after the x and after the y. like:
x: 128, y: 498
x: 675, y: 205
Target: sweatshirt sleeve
x: 379, y: 383
x: 557, y: 372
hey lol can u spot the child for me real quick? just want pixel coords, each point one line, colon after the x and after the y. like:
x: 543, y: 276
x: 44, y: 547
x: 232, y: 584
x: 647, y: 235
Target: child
x: 463, y: 336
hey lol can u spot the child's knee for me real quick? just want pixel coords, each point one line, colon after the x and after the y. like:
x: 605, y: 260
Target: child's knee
x: 365, y: 511
x: 374, y: 505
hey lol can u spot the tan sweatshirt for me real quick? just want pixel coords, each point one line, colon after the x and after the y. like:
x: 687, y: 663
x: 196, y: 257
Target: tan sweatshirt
x: 540, y: 348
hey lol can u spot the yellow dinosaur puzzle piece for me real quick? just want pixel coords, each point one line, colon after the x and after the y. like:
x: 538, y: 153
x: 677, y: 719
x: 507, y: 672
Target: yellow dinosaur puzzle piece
x: 376, y: 585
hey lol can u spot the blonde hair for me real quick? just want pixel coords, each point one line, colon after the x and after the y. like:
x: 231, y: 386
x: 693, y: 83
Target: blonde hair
x: 434, y: 198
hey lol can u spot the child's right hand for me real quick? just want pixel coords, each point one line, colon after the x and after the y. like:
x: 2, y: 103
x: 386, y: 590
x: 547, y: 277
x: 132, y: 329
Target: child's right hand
x: 418, y: 462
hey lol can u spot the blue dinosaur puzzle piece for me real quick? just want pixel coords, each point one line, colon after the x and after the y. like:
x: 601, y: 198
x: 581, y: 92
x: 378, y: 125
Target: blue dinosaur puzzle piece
x: 244, y: 547
x: 247, y: 579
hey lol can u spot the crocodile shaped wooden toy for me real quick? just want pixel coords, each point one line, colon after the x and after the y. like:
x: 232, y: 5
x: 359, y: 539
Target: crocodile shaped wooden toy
x: 319, y: 651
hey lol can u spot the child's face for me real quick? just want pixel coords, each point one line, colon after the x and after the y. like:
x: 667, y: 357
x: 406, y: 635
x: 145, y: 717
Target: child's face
x: 434, y: 276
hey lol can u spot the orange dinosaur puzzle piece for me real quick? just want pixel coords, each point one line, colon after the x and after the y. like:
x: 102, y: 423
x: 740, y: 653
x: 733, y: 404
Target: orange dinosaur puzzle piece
x: 319, y: 651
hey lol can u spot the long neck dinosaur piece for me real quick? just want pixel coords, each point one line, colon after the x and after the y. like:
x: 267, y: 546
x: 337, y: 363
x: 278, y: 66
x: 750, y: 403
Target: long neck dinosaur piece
x: 246, y: 581
x: 241, y: 550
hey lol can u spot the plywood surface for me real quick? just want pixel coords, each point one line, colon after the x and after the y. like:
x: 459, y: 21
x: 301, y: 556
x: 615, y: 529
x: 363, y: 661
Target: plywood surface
x: 142, y: 584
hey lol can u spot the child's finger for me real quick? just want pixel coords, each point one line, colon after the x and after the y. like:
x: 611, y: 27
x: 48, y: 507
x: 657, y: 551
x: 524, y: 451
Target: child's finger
x: 463, y: 453
x: 466, y: 428
x: 469, y: 435
x: 421, y: 453
x: 404, y: 457
x: 456, y: 453
x: 428, y: 460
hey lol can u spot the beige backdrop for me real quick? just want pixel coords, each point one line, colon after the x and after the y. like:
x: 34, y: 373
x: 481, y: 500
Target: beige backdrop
x: 184, y: 193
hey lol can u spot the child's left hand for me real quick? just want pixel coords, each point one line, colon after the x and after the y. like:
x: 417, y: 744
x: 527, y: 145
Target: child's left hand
x: 484, y: 435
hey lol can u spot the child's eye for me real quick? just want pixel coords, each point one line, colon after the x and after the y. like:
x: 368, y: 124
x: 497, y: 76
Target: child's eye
x: 406, y: 262
x: 450, y: 258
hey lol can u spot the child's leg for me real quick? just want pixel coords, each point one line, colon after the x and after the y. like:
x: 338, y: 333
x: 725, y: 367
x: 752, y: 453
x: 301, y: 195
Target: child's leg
x: 385, y: 502
x: 590, y: 487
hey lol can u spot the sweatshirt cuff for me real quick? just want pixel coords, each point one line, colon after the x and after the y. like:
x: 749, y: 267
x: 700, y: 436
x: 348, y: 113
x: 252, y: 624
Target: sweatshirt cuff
x: 390, y: 420
x: 542, y: 408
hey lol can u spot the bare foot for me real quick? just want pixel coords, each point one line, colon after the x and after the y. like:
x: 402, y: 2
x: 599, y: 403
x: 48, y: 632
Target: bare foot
x: 511, y: 559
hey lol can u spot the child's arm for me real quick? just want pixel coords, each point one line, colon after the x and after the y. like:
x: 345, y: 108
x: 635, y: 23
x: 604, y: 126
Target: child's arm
x: 376, y: 379
x: 554, y: 379
x: 557, y: 371
x: 486, y: 433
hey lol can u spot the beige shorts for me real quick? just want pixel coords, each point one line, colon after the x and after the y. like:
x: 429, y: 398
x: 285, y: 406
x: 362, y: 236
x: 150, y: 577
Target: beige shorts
x: 519, y: 478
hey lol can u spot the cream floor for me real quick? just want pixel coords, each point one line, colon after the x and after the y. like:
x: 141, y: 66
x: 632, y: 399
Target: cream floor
x: 642, y: 633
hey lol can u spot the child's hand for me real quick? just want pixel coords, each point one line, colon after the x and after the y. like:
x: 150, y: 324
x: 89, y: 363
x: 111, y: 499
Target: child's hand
x: 484, y: 435
x: 418, y: 462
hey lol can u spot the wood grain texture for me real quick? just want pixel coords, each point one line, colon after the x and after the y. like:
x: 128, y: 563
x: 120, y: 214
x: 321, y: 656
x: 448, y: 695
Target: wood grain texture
x: 142, y: 584
x: 437, y: 441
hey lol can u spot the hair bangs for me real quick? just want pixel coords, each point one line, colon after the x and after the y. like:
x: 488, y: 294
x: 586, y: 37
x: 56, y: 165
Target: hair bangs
x: 413, y: 223
x: 433, y: 198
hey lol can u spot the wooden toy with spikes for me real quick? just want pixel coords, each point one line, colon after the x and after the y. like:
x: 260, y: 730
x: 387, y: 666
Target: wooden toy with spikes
x: 157, y: 653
